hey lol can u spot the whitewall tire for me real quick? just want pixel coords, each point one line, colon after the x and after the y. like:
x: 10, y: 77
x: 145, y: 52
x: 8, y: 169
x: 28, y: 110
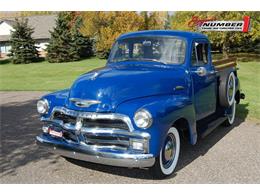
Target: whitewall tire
x: 231, y: 89
x: 227, y: 90
x: 167, y: 161
x: 231, y: 115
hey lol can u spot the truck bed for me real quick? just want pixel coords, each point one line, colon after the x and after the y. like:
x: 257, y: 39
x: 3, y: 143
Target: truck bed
x: 225, y: 63
x: 224, y: 67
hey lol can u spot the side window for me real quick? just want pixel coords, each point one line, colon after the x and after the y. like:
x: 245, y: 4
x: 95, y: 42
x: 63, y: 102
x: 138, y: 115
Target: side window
x: 199, y: 54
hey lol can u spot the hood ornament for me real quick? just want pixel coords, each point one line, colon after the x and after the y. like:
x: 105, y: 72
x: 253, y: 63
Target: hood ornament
x: 94, y: 76
x: 84, y: 103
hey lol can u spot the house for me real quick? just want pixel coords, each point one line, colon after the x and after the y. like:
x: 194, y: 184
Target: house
x: 41, y: 24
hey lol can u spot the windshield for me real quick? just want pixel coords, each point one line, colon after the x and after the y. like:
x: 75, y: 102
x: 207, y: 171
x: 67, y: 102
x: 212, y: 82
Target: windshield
x: 166, y: 50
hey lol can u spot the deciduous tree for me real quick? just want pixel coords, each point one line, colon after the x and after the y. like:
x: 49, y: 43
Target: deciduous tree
x: 223, y: 41
x: 105, y: 27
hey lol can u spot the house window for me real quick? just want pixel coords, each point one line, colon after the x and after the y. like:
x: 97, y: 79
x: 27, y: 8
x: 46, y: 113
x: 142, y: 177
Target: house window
x: 5, y: 48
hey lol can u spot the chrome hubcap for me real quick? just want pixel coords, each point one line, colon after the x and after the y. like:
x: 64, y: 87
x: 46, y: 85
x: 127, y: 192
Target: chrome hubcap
x: 169, y: 151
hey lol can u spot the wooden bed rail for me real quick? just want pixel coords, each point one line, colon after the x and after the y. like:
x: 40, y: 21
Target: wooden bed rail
x: 225, y: 63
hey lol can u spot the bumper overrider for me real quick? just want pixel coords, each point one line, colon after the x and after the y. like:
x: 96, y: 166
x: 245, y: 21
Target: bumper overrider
x: 108, y: 146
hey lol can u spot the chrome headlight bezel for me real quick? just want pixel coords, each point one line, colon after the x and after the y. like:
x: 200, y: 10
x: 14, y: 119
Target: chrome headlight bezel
x: 43, y: 106
x: 145, y: 115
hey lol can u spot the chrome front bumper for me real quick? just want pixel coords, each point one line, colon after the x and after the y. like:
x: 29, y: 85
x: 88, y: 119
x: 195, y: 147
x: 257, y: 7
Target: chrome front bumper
x: 109, y: 146
x: 94, y: 154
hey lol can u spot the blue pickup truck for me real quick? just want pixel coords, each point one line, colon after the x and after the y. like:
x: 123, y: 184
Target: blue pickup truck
x: 157, y: 90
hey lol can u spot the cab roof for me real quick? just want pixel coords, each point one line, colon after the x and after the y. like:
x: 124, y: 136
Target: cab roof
x: 184, y: 34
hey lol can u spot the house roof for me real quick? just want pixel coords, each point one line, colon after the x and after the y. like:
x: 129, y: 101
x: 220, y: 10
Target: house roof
x: 8, y: 21
x: 4, y: 38
x: 42, y: 24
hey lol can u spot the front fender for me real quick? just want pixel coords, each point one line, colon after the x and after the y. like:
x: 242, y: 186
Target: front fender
x: 165, y: 110
x: 57, y: 98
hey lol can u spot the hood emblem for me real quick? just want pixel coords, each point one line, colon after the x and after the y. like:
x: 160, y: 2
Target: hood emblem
x: 84, y: 103
x: 94, y: 76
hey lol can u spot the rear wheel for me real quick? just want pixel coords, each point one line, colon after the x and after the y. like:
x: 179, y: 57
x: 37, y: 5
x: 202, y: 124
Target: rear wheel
x: 227, y: 90
x: 166, y: 162
x: 231, y: 115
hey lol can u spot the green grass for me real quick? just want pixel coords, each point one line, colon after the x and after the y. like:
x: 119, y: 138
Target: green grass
x: 249, y: 75
x: 44, y: 76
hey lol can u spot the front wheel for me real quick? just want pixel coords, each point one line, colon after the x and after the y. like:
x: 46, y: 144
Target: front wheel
x: 166, y: 162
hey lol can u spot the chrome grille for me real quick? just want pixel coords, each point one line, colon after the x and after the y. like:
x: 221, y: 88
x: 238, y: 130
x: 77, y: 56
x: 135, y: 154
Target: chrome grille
x: 105, y: 123
x: 112, y: 131
x: 91, y: 123
x: 64, y: 118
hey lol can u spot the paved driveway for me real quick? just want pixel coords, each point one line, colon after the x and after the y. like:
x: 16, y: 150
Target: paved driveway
x: 227, y: 155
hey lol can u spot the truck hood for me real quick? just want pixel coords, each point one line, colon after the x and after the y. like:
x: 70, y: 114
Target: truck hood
x: 114, y: 85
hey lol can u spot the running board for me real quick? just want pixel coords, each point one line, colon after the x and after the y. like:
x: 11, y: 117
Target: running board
x: 213, y: 125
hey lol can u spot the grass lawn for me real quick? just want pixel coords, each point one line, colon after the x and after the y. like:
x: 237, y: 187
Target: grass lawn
x: 44, y: 76
x: 249, y: 75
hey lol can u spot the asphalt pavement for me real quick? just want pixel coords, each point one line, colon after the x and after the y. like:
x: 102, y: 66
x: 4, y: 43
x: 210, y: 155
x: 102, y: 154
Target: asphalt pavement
x: 227, y: 155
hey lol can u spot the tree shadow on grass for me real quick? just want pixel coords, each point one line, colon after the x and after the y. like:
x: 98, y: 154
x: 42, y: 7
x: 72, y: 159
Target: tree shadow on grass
x: 19, y: 127
x: 9, y: 61
x: 5, y: 61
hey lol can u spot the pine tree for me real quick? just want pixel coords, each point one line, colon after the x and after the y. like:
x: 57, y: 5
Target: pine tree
x: 59, y: 49
x: 82, y: 44
x: 67, y: 43
x: 23, y: 49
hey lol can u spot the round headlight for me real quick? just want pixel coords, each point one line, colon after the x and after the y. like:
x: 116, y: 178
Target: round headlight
x: 42, y: 106
x: 143, y: 119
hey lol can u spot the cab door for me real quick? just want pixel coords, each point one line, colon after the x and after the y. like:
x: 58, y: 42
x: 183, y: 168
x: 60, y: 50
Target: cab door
x: 203, y: 79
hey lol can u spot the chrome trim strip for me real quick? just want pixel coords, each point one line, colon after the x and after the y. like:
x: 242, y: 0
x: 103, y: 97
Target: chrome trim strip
x: 93, y: 115
x: 89, y: 154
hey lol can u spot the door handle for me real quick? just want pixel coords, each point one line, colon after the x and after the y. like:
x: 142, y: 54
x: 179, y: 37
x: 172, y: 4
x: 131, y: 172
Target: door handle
x: 179, y: 87
x: 201, y: 71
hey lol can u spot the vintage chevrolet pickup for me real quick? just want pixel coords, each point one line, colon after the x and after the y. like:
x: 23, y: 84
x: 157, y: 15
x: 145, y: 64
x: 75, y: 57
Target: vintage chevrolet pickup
x: 157, y: 90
